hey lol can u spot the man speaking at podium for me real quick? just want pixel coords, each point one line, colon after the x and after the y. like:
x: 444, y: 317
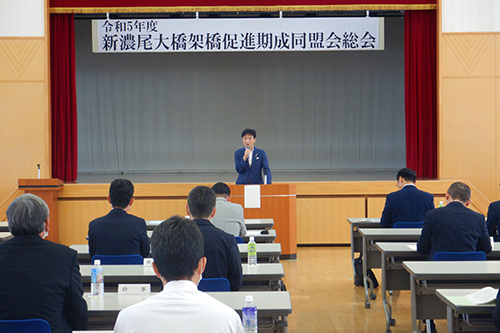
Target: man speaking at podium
x: 251, y: 162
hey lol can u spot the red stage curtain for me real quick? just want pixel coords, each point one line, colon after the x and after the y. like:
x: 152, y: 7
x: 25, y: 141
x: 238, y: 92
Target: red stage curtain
x: 63, y: 97
x: 421, y: 92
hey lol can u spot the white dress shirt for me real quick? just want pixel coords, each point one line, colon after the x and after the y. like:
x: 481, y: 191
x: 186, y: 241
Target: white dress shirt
x: 250, y: 157
x: 180, y: 307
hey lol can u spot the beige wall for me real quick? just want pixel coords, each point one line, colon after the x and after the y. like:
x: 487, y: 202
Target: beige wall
x: 24, y: 94
x: 468, y: 109
x: 322, y: 207
x: 469, y: 94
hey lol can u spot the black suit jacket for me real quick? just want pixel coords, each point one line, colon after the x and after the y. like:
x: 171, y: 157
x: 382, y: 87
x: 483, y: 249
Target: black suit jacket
x: 118, y: 233
x: 496, y: 313
x: 41, y: 279
x: 493, y: 221
x: 222, y: 253
x: 453, y: 228
x: 406, y: 205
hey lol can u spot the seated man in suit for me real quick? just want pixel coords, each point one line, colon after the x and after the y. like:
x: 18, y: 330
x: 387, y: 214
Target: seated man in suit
x: 493, y: 220
x: 39, y: 279
x: 251, y: 162
x: 409, y: 204
x: 119, y: 233
x: 177, y: 247
x: 229, y: 216
x: 454, y: 228
x: 221, y: 250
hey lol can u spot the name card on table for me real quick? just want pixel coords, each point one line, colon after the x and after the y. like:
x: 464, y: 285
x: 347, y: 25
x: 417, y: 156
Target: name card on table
x: 134, y: 289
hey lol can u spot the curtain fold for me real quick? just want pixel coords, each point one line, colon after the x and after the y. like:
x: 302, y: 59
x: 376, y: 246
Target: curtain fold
x: 63, y: 97
x: 421, y: 92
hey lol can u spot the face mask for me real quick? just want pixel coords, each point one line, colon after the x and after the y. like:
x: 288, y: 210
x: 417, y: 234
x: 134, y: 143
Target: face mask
x: 45, y: 234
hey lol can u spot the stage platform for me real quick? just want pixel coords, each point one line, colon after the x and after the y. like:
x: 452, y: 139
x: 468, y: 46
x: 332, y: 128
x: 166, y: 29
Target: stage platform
x: 324, y: 199
x: 230, y: 177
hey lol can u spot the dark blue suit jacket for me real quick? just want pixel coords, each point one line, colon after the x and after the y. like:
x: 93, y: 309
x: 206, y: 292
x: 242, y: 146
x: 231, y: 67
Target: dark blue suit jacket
x: 252, y: 174
x: 118, y: 233
x: 222, y: 253
x: 406, y: 205
x: 453, y: 228
x: 493, y: 221
x: 496, y: 313
x: 41, y: 279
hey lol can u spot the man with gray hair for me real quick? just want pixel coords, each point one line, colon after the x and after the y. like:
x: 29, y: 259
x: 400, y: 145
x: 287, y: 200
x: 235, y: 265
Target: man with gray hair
x: 454, y: 228
x: 40, y: 279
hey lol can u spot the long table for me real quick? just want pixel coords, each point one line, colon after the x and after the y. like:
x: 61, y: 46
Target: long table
x: 273, y: 308
x: 427, y: 276
x: 261, y: 236
x: 250, y: 224
x: 371, y: 255
x: 259, y: 224
x: 395, y: 277
x: 4, y: 226
x: 267, y: 275
x: 464, y: 316
x: 356, y: 238
x: 266, y: 252
x: 5, y: 235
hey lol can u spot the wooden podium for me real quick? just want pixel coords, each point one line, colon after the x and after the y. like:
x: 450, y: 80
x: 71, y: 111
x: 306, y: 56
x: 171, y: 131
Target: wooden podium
x: 47, y: 189
x: 278, y: 202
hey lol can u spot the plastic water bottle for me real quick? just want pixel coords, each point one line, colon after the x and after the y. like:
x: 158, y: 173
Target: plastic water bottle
x: 249, y: 316
x: 96, y: 279
x: 252, y: 252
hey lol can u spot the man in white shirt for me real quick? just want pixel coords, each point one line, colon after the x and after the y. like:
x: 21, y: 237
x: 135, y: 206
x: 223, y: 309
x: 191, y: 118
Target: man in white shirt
x: 229, y: 216
x: 177, y: 247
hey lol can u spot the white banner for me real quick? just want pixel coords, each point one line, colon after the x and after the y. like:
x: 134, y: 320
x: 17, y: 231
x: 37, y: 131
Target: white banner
x: 245, y: 34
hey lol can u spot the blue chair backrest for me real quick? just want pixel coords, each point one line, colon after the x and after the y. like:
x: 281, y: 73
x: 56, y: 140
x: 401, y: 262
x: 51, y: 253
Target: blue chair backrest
x: 408, y: 225
x: 25, y: 326
x: 126, y: 259
x: 459, y: 256
x: 239, y: 239
x: 214, y: 284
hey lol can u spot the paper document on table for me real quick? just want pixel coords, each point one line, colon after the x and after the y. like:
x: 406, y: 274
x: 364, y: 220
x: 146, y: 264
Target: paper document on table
x: 413, y: 247
x: 483, y: 296
x: 252, y: 196
x: 154, y: 222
